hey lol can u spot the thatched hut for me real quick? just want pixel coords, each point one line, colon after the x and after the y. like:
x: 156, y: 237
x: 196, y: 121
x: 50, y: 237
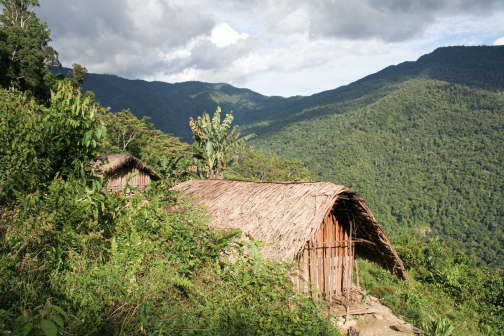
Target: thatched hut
x: 322, y: 226
x: 118, y: 168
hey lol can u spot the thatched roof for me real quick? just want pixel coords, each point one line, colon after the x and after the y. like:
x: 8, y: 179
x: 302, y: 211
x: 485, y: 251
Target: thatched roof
x: 112, y: 163
x: 288, y: 214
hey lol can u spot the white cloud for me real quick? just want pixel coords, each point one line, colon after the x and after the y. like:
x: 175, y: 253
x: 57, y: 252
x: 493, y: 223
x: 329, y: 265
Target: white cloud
x: 223, y: 35
x: 499, y: 41
x: 286, y: 47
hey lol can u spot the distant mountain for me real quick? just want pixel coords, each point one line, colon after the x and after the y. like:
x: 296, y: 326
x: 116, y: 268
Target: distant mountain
x: 170, y: 105
x: 475, y: 67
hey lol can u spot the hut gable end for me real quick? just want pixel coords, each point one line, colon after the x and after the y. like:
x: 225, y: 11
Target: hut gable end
x: 117, y: 169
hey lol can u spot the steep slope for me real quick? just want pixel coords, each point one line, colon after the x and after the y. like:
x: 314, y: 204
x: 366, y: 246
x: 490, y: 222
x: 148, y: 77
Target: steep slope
x: 426, y: 154
x: 421, y: 141
x: 476, y: 67
x: 171, y: 105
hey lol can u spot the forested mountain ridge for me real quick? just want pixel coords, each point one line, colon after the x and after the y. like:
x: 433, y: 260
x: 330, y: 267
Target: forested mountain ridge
x: 170, y: 105
x: 476, y: 67
x: 427, y: 154
x: 421, y: 142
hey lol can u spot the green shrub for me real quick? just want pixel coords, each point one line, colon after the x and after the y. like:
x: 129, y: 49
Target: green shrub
x: 445, y: 291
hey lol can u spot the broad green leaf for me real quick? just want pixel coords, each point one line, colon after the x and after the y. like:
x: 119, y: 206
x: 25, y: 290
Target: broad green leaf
x: 59, y: 320
x: 26, y: 329
x: 49, y: 328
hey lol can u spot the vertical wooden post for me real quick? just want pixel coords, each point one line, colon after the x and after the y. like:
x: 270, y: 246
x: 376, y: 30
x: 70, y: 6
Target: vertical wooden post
x: 338, y: 260
x: 315, y: 264
x: 350, y: 259
x: 330, y: 277
x: 326, y: 259
x: 331, y: 264
x: 306, y: 268
x: 311, y: 268
x: 357, y: 273
x: 348, y: 263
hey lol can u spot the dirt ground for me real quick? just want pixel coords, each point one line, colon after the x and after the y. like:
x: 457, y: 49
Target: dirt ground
x: 377, y: 320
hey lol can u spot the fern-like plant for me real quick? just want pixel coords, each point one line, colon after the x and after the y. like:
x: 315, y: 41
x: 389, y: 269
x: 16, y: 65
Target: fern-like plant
x: 438, y: 326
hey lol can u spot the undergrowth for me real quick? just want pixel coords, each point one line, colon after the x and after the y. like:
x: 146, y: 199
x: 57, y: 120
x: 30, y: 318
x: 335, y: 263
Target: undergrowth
x: 146, y: 265
x: 445, y: 294
x: 76, y: 260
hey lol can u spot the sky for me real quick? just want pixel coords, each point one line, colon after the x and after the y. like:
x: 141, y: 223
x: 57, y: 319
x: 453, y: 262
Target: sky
x: 274, y: 47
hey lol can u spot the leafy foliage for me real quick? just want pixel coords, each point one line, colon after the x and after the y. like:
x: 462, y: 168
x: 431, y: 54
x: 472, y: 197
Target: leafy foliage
x: 213, y: 140
x: 25, y: 56
x: 162, y: 152
x: 123, y: 129
x: 40, y: 143
x: 250, y: 164
x: 446, y: 293
x: 48, y: 320
x: 425, y: 155
x: 438, y: 326
x: 76, y: 260
x: 77, y: 75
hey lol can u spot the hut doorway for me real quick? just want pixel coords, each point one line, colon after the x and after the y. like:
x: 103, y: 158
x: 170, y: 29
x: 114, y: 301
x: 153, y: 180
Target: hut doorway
x: 327, y: 260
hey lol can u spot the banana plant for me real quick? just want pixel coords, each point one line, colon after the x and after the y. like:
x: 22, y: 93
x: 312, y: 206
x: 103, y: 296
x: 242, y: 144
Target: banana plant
x: 212, y: 140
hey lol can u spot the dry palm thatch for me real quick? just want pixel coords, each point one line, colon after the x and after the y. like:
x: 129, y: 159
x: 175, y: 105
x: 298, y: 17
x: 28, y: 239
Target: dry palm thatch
x: 113, y: 163
x: 287, y: 215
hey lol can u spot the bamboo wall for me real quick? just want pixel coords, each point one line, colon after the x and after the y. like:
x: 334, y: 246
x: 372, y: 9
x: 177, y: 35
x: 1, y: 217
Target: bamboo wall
x: 326, y: 263
x: 120, y: 177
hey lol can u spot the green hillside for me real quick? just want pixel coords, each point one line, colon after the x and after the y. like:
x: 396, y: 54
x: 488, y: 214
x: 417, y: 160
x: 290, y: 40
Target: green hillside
x: 421, y: 141
x: 476, y: 67
x: 170, y: 105
x: 427, y: 154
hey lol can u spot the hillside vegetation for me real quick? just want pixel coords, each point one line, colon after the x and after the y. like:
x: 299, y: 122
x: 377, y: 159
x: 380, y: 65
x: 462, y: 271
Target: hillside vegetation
x: 424, y: 152
x: 77, y: 260
x: 428, y: 154
x: 170, y: 105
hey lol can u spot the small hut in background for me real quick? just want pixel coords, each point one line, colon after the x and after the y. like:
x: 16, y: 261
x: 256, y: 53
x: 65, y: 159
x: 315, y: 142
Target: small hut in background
x: 118, y: 168
x: 321, y: 226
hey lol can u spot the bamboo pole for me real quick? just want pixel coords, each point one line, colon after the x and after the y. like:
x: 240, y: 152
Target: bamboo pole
x: 349, y: 270
x: 325, y: 264
x: 337, y: 270
x: 350, y: 259
x: 311, y: 268
x: 320, y: 259
x: 315, y: 266
x: 329, y: 258
x: 357, y: 273
x: 347, y: 307
x: 306, y: 268
x: 330, y: 235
